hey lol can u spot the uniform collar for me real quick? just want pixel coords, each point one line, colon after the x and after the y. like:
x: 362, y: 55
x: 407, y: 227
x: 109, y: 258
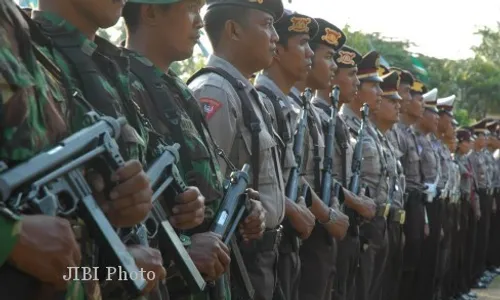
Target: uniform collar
x: 350, y: 118
x: 264, y: 80
x: 54, y: 22
x: 218, y: 62
x: 320, y: 100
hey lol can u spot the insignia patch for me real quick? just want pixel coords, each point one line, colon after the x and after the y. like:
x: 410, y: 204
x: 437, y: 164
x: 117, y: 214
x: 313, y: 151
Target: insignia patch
x: 380, y: 71
x: 346, y: 58
x: 299, y: 24
x: 210, y: 107
x: 331, y: 36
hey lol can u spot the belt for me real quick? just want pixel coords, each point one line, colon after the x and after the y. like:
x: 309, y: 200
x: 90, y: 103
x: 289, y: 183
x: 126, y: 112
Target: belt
x: 383, y: 210
x: 398, y: 216
x: 269, y: 242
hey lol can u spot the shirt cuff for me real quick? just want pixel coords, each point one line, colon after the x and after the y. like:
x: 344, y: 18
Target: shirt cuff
x: 9, y: 234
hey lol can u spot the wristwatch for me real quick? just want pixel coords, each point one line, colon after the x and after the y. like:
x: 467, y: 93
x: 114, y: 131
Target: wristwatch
x: 332, y: 216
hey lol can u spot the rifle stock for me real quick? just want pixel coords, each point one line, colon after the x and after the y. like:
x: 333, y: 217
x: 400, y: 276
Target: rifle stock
x: 53, y: 183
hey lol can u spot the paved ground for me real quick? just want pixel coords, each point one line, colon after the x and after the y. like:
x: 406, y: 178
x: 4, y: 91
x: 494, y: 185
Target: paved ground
x: 493, y: 291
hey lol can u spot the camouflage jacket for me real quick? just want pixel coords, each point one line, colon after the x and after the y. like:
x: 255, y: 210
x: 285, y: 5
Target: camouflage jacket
x: 110, y: 95
x: 112, y: 70
x: 31, y: 119
x: 202, y: 168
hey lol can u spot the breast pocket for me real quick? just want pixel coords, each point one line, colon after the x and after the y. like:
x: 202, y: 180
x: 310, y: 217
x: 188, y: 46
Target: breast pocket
x: 267, y: 146
x: 413, y: 155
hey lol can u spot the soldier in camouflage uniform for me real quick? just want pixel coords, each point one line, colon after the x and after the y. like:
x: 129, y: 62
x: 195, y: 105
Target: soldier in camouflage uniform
x: 199, y: 165
x: 482, y: 170
x: 31, y: 85
x: 101, y: 72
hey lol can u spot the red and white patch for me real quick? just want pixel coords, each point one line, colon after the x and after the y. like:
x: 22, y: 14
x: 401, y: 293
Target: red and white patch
x: 210, y: 107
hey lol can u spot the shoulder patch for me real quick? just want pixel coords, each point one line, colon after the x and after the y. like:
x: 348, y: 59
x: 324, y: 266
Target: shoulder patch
x: 210, y: 107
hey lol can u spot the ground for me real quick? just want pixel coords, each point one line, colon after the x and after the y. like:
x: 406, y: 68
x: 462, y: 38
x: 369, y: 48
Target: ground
x: 492, y: 293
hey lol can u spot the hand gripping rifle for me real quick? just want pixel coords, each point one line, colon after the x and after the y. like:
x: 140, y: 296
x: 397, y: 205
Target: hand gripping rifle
x: 354, y: 184
x: 234, y: 207
x: 53, y: 183
x: 166, y: 182
x: 291, y: 190
x: 326, y: 181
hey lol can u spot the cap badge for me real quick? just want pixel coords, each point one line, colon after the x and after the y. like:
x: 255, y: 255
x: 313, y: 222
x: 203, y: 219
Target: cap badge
x: 346, y: 57
x: 331, y: 36
x: 258, y: 1
x: 417, y: 86
x: 299, y: 24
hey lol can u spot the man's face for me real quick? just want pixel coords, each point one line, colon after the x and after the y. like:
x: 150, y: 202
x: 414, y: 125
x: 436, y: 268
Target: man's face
x: 177, y: 28
x: 371, y: 94
x: 415, y: 107
x: 296, y: 57
x: 404, y: 92
x: 323, y: 68
x: 444, y: 123
x: 103, y: 13
x: 258, y: 38
x: 480, y: 141
x: 388, y: 111
x: 465, y: 146
x: 429, y: 121
x: 348, y: 83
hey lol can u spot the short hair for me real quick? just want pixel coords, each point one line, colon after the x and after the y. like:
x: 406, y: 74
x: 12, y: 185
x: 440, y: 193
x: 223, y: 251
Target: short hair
x: 216, y: 18
x: 132, y: 14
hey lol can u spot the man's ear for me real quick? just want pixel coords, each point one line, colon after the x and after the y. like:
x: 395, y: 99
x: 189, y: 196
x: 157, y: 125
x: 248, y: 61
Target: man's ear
x: 149, y: 14
x: 234, y: 30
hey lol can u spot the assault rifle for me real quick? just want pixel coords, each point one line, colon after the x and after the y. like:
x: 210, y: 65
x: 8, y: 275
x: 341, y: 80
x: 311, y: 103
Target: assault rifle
x: 326, y: 181
x: 354, y: 184
x: 291, y: 190
x: 53, y: 183
x: 232, y: 210
x: 166, y: 182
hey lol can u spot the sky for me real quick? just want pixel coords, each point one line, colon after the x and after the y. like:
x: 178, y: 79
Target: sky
x: 439, y: 28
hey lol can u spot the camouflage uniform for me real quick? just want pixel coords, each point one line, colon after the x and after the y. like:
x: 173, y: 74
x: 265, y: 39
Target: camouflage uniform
x: 101, y: 82
x: 112, y: 73
x: 31, y: 112
x: 202, y: 170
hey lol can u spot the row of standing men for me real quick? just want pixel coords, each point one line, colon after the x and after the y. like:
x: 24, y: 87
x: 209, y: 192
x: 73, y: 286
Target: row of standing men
x: 397, y: 236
